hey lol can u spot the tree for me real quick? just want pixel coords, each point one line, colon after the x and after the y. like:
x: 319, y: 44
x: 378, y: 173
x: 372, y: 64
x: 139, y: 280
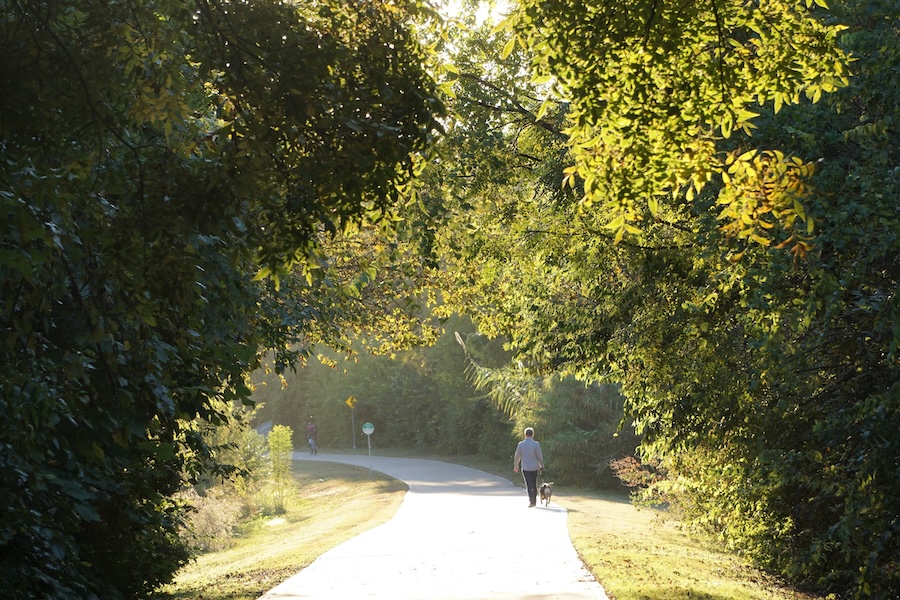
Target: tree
x: 758, y: 360
x: 507, y: 219
x: 417, y: 398
x: 656, y: 87
x: 153, y: 157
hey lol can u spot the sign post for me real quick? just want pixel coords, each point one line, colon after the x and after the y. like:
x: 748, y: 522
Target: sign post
x: 369, y: 429
x: 351, y: 402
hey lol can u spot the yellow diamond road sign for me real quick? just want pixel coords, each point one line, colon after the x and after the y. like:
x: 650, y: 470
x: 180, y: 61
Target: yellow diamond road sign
x: 351, y: 401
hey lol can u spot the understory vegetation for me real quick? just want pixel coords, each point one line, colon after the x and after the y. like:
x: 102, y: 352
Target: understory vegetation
x: 324, y: 505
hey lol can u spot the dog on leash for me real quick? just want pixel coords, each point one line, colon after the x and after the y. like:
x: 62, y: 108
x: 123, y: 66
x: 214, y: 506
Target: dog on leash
x: 546, y: 491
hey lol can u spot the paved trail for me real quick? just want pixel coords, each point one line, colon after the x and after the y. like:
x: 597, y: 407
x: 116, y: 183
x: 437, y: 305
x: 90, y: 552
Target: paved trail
x: 460, y: 534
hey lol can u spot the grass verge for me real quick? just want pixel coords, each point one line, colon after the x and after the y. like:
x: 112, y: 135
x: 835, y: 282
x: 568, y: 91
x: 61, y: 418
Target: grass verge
x: 333, y: 503
x: 638, y: 554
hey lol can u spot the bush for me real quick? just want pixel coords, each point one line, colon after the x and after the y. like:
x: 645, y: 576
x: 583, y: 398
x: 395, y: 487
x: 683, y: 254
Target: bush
x: 581, y: 432
x: 213, y: 516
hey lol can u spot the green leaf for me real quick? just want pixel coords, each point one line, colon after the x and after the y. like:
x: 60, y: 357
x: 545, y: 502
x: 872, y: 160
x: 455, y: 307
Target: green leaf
x: 543, y: 109
x: 617, y: 223
x: 508, y: 48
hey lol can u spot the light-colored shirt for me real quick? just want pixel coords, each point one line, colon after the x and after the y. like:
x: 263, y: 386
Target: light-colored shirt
x: 528, y: 452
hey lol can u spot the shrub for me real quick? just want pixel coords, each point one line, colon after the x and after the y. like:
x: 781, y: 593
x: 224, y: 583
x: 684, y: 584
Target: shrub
x: 213, y: 516
x: 281, y: 455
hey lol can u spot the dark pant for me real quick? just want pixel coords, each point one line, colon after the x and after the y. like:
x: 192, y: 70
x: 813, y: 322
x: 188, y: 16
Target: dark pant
x: 531, y: 484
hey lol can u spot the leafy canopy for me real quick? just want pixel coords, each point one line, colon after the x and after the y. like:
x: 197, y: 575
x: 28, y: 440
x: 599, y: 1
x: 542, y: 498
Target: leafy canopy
x: 153, y: 157
x: 656, y: 87
x: 764, y: 382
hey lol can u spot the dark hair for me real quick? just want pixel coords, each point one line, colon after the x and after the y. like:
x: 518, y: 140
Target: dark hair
x: 529, y: 432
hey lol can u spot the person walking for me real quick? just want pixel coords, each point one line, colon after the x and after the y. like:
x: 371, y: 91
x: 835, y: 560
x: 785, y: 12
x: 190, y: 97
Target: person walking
x: 312, y: 433
x: 529, y: 458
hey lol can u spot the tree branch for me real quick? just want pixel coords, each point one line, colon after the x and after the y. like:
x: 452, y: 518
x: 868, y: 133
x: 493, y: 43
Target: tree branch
x: 517, y: 107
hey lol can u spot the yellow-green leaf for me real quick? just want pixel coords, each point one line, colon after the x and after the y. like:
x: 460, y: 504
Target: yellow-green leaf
x: 508, y: 47
x: 504, y: 24
x: 542, y: 110
x: 447, y: 88
x: 616, y: 223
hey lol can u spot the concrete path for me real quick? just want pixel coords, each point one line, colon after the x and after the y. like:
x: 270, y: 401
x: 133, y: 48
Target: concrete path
x: 459, y: 534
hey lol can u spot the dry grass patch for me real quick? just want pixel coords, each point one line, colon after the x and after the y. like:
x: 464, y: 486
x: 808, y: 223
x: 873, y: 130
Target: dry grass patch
x: 331, y: 504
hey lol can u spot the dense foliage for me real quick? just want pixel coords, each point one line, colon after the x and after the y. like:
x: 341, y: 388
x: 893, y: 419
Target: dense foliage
x: 187, y: 186
x: 655, y: 86
x: 417, y: 399
x: 725, y: 250
x: 154, y: 155
x: 492, y: 155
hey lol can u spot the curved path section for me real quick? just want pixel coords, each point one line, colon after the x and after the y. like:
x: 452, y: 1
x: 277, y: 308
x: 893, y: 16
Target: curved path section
x: 459, y: 534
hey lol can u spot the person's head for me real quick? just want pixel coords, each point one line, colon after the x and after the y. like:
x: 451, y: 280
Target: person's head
x: 529, y: 432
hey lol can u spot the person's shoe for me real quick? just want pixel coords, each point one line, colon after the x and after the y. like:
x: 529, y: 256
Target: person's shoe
x: 531, y: 505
